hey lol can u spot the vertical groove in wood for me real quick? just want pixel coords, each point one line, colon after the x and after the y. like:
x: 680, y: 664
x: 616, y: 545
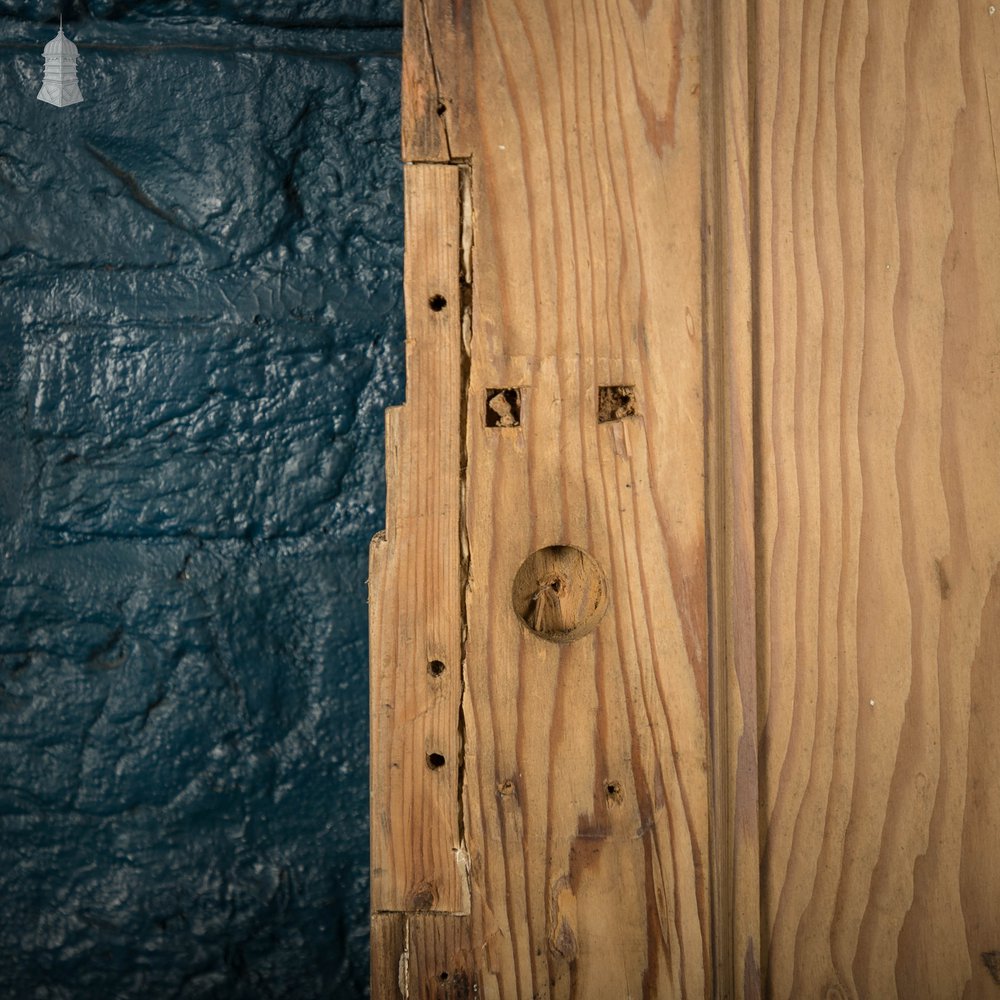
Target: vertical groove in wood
x: 729, y: 415
x: 415, y: 607
x: 842, y: 287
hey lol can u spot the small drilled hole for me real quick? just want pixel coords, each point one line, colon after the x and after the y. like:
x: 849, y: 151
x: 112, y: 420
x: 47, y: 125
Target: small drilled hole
x: 443, y: 977
x: 437, y: 302
x: 435, y: 760
x: 614, y: 790
x: 503, y: 407
x: 615, y: 402
x: 435, y: 668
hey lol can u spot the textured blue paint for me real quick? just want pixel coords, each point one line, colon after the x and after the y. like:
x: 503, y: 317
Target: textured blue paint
x: 200, y: 326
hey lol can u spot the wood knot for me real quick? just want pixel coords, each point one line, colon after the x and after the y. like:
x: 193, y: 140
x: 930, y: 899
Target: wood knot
x: 562, y: 936
x: 422, y: 897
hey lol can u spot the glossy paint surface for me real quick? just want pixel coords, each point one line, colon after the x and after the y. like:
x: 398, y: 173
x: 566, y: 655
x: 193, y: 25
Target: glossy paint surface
x: 200, y: 327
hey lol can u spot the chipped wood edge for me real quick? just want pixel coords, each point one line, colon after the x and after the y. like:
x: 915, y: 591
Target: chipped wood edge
x: 415, y: 581
x: 388, y: 956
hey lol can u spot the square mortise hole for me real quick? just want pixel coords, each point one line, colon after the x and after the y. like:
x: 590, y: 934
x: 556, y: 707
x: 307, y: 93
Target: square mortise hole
x: 503, y: 407
x: 615, y: 402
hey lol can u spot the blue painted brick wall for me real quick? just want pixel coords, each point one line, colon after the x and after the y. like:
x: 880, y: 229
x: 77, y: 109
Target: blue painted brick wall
x: 200, y: 326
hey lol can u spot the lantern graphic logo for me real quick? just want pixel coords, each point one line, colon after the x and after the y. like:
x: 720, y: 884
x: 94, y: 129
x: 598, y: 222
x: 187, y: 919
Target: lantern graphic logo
x: 59, y: 86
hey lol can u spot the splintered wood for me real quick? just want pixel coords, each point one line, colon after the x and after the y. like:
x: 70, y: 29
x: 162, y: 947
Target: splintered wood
x: 415, y: 577
x: 685, y: 625
x: 574, y: 781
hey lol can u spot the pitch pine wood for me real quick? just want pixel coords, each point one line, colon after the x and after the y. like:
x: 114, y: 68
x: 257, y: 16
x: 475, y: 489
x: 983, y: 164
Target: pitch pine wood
x: 585, y: 769
x: 878, y: 241
x: 441, y: 961
x: 388, y: 945
x: 414, y: 585
x: 729, y: 215
x: 770, y: 768
x: 586, y: 762
x: 437, y: 84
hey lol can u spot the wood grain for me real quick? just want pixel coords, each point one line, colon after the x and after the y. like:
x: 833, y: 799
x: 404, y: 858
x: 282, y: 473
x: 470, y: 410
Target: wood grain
x: 423, y: 108
x: 441, y: 962
x: 586, y: 762
x: 879, y: 513
x: 415, y: 580
x: 388, y: 942
x: 769, y: 767
x: 729, y: 218
x: 583, y: 761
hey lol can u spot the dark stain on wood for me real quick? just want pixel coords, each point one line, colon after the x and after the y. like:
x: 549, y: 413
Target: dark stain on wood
x: 991, y: 959
x: 942, y: 576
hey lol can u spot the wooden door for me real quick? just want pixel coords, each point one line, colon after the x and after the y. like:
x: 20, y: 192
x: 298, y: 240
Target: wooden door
x: 686, y: 622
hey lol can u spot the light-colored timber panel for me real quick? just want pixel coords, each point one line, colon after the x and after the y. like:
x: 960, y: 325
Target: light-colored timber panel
x: 728, y: 165
x: 436, y: 56
x: 388, y: 942
x: 424, y: 956
x: 415, y: 580
x: 879, y: 521
x: 423, y: 107
x: 440, y: 959
x: 587, y: 762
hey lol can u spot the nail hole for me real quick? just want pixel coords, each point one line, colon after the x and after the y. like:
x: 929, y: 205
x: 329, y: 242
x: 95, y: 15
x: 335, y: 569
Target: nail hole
x: 503, y: 407
x: 615, y: 402
x: 435, y: 760
x: 435, y: 668
x: 441, y: 109
x: 443, y: 976
x: 437, y: 302
x: 614, y: 790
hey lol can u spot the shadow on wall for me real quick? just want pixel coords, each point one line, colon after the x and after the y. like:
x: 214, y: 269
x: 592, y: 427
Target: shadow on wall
x: 200, y: 325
